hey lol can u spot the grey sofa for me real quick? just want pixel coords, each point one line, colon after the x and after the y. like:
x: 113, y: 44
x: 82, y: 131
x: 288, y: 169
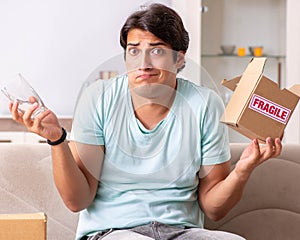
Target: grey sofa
x: 27, y: 186
x: 270, y: 206
x: 269, y: 209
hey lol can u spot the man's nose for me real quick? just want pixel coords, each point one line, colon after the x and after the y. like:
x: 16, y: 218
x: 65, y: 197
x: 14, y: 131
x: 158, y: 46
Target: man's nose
x: 145, y: 61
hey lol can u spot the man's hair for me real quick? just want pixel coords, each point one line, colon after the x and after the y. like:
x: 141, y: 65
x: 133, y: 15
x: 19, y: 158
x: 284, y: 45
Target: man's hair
x: 161, y: 21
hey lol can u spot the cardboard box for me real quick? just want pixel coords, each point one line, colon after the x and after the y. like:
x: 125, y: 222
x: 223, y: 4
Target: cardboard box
x: 23, y: 226
x: 258, y: 108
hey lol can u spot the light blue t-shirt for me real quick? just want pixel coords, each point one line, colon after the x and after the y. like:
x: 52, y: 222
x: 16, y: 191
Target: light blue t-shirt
x: 148, y: 175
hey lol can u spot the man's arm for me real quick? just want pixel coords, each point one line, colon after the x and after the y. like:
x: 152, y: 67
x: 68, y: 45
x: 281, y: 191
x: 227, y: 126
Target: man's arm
x: 220, y: 190
x: 76, y: 183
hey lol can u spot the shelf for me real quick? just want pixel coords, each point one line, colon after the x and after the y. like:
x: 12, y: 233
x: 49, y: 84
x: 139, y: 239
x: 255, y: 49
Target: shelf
x: 277, y: 57
x: 236, y: 56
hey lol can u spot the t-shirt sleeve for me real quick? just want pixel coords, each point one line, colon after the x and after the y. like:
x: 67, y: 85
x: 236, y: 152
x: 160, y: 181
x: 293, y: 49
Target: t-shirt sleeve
x: 214, y: 141
x: 87, y: 126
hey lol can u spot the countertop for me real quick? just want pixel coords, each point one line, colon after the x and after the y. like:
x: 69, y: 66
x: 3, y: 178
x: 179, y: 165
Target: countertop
x: 7, y: 124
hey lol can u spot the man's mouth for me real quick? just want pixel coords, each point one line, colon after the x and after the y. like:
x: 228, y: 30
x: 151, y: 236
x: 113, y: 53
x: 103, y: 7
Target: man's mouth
x: 146, y: 76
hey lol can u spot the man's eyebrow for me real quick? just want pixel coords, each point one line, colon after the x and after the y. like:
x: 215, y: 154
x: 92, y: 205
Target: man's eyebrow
x: 158, y: 44
x: 151, y: 44
x: 133, y: 44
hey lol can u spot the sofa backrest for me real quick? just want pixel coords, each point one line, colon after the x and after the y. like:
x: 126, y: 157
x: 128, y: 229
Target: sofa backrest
x: 270, y: 206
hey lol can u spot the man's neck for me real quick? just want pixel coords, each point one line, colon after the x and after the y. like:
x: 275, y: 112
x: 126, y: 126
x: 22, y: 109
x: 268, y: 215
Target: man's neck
x: 151, y: 111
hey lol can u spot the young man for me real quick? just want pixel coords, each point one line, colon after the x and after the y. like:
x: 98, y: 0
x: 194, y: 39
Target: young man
x: 148, y: 156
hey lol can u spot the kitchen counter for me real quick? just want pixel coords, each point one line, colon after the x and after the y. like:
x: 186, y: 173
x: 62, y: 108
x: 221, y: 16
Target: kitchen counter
x: 7, y: 124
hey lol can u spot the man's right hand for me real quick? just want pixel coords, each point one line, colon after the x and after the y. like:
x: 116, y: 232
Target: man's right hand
x: 45, y: 124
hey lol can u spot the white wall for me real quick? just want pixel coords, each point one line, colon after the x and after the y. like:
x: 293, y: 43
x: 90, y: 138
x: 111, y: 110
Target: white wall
x: 292, y: 133
x: 56, y: 44
x: 191, y: 16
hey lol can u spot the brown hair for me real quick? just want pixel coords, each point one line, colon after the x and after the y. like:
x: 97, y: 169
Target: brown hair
x: 161, y: 21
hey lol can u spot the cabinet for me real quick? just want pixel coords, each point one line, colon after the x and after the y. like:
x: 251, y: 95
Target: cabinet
x: 20, y: 137
x: 243, y: 24
x: 12, y: 132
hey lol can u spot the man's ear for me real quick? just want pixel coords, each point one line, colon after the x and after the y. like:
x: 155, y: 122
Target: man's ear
x: 180, y: 59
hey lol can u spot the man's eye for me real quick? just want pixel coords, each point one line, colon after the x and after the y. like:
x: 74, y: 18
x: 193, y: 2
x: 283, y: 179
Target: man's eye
x: 157, y: 51
x: 133, y: 51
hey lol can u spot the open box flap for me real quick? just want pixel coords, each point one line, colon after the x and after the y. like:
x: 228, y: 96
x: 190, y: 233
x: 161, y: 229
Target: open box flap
x: 295, y: 89
x: 231, y: 84
x: 256, y: 66
x: 246, y: 85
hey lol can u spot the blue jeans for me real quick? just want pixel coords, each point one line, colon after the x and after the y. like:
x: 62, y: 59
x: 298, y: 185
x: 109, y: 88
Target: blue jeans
x: 160, y: 231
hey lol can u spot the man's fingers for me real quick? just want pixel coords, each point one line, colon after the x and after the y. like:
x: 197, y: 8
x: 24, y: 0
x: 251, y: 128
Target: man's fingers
x: 27, y: 117
x: 272, y: 148
x: 16, y: 114
x: 278, y: 147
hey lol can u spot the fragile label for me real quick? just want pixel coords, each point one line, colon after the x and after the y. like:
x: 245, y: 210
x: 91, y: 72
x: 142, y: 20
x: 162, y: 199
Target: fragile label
x: 269, y: 109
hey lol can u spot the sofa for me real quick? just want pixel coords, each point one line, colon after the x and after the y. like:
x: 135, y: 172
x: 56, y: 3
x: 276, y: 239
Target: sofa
x: 27, y: 186
x: 269, y: 209
x: 270, y: 206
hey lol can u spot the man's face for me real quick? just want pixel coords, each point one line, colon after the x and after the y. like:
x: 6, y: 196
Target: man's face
x: 150, y: 64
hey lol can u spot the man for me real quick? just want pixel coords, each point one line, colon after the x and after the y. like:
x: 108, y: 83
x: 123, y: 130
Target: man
x: 148, y: 156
